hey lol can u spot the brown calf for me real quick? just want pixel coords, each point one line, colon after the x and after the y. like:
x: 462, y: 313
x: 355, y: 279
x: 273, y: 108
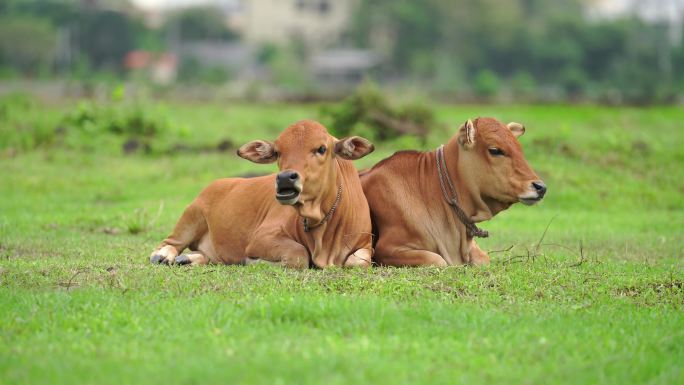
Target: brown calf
x: 411, y: 195
x: 237, y: 220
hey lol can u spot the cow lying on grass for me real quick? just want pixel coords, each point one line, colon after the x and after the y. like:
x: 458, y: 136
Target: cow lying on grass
x: 312, y: 212
x: 424, y: 205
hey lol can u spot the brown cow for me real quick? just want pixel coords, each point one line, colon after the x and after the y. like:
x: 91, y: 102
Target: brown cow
x: 424, y: 205
x: 319, y: 215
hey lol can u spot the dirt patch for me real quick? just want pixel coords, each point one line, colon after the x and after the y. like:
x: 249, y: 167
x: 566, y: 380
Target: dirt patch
x: 225, y: 146
x: 14, y: 251
x: 556, y: 147
x: 663, y: 292
x: 439, y: 287
x: 641, y: 147
x: 609, y: 160
x: 142, y: 146
x: 132, y: 146
x: 8, y: 153
x: 222, y: 146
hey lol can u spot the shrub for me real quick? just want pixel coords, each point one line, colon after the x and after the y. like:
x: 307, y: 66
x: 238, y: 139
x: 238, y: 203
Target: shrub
x: 23, y: 125
x: 141, y: 220
x: 368, y: 109
x: 123, y: 122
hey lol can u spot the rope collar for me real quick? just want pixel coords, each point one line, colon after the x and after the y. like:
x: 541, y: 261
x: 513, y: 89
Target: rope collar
x: 327, y: 216
x: 452, y: 199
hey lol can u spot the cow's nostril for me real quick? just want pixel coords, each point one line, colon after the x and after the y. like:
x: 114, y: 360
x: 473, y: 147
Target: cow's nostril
x: 540, y: 187
x: 287, y: 177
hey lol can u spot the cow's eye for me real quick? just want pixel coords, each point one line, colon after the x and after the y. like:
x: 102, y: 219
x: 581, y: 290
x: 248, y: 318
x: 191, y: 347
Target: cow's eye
x: 321, y: 150
x: 495, y: 151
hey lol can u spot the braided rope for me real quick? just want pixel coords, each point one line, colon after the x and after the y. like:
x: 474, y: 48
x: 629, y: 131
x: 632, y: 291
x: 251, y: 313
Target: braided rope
x: 327, y: 216
x: 452, y: 199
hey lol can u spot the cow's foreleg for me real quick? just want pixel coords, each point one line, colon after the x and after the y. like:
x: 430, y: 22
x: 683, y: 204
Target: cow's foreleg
x: 477, y: 256
x: 278, y: 250
x: 165, y: 254
x: 407, y: 257
x: 360, y: 258
x: 190, y: 227
x: 294, y: 255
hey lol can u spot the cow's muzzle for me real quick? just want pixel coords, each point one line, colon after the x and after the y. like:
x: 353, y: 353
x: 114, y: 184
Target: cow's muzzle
x: 534, y: 194
x: 288, y: 187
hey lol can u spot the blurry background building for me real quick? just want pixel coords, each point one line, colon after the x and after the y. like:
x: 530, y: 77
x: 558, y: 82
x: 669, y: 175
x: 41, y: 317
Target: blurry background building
x: 318, y: 23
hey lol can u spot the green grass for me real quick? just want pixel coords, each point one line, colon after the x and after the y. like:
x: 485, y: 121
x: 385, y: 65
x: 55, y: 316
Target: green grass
x: 600, y: 300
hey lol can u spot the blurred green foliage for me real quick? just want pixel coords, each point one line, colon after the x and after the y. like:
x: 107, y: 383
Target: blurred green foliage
x: 485, y: 50
x: 80, y: 39
x: 36, y: 49
x: 486, y: 83
x: 528, y: 43
x: 199, y: 23
x: 25, y: 124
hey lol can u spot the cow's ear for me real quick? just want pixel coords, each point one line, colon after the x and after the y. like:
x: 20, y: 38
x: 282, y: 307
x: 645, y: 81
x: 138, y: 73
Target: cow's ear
x: 516, y: 128
x: 258, y: 151
x: 353, y: 147
x: 466, y: 135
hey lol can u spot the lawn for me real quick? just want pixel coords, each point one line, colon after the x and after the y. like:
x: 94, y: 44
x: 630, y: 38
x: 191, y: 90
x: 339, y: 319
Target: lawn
x: 587, y: 287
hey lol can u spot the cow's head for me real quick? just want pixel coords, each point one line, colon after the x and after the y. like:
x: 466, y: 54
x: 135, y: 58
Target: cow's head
x: 306, y: 154
x: 491, y: 155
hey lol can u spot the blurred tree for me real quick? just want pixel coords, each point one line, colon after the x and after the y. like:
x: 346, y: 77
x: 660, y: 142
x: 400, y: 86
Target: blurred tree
x: 199, y: 23
x: 267, y: 53
x: 105, y: 37
x: 58, y: 12
x: 678, y: 63
x: 86, y: 37
x: 35, y: 52
x: 492, y: 43
x: 486, y: 84
x: 401, y: 29
x: 635, y: 72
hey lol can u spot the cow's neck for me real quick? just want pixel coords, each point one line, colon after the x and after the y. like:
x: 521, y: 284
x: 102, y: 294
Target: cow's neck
x: 325, y: 254
x: 322, y: 208
x: 315, y: 210
x: 478, y: 207
x: 329, y: 197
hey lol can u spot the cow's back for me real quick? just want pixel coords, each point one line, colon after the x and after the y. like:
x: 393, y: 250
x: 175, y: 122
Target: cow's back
x: 390, y: 187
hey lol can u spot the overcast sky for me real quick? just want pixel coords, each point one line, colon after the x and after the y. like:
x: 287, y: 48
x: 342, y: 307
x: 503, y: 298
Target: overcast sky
x: 168, y: 3
x: 651, y: 9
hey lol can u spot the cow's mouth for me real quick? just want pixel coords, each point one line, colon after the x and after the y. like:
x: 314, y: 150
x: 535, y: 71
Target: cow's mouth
x: 530, y: 201
x: 287, y: 195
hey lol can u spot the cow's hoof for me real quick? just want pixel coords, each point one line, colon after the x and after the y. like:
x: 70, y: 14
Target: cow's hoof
x: 157, y: 259
x: 183, y: 260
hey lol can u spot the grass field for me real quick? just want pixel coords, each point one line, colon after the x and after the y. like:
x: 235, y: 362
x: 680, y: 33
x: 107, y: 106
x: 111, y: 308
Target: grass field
x: 598, y: 298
